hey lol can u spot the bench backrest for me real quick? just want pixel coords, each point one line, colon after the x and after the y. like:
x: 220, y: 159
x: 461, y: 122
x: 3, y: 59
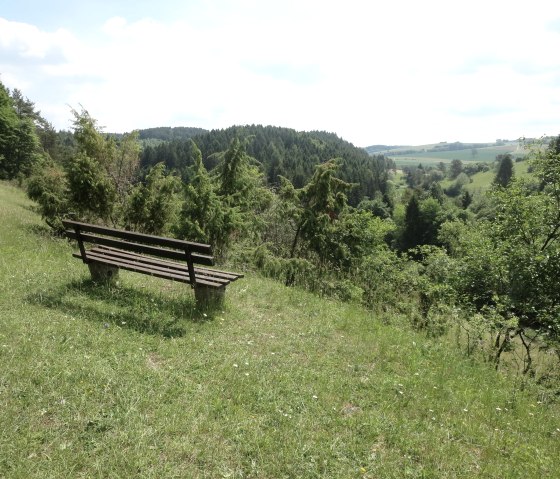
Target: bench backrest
x: 157, y: 246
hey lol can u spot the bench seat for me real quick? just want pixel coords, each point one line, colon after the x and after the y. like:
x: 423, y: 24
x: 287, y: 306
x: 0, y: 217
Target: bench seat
x: 159, y: 268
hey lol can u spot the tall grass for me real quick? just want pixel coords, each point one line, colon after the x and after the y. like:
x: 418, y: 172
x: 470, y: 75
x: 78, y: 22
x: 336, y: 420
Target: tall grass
x: 133, y: 381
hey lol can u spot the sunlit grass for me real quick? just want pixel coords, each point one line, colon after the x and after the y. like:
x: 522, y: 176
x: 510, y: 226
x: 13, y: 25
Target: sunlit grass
x: 482, y: 155
x: 132, y: 381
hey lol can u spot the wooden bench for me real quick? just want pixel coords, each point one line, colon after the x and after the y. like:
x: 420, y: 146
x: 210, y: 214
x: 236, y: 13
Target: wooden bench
x: 167, y: 258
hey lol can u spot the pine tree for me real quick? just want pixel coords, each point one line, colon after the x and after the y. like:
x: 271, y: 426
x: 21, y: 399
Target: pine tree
x: 152, y: 207
x: 505, y: 170
x: 314, y: 207
x: 18, y: 140
x: 413, y: 228
x: 203, y: 216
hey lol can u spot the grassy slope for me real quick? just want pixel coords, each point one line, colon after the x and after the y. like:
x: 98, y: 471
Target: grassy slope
x: 482, y: 181
x: 132, y: 382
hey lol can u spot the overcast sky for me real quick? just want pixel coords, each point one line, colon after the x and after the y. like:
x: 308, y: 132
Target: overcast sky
x: 374, y: 72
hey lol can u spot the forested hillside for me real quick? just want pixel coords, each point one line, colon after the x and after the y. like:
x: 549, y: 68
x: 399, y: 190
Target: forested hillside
x: 314, y: 212
x: 279, y: 152
x: 169, y: 133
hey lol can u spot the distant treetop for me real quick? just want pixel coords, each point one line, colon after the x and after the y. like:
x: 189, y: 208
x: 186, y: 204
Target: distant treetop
x: 167, y: 133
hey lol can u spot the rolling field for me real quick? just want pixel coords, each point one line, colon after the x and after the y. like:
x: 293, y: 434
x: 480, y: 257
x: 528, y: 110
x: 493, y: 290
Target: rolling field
x: 481, y: 182
x: 482, y: 155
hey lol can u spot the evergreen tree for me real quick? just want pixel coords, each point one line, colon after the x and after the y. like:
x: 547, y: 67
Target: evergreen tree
x: 241, y: 190
x: 455, y: 169
x: 48, y: 186
x: 466, y: 199
x: 203, y: 216
x: 505, y: 170
x: 18, y: 140
x: 436, y: 192
x: 102, y: 172
x: 91, y: 193
x: 413, y: 228
x: 314, y: 208
x: 152, y: 207
x: 233, y: 173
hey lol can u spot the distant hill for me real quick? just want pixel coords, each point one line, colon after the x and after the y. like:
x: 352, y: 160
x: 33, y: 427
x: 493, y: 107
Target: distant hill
x: 375, y: 149
x: 446, y: 152
x: 278, y: 152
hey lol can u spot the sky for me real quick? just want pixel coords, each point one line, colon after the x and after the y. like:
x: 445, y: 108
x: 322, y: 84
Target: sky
x: 398, y: 72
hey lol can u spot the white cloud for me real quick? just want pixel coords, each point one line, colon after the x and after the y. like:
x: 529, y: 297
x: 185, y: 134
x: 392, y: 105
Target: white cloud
x: 28, y: 42
x: 372, y: 72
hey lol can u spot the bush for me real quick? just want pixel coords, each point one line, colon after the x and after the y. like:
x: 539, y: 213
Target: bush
x: 49, y: 188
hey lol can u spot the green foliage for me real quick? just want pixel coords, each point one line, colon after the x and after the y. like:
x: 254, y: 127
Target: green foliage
x: 123, y: 169
x: 19, y: 145
x: 110, y: 166
x: 281, y: 152
x: 177, y: 155
x: 436, y: 294
x: 455, y: 169
x: 436, y: 192
x: 457, y: 187
x: 466, y: 199
x: 413, y: 225
x: 152, y: 207
x: 240, y: 188
x: 356, y: 235
x: 422, y: 220
x: 169, y: 134
x: 527, y: 226
x: 508, y: 267
x: 95, y: 173
x: 48, y: 187
x: 129, y: 381
x: 387, y: 280
x: 91, y: 192
x: 315, y: 208
x: 235, y: 176
x: 203, y: 216
x: 505, y: 170
x: 376, y: 206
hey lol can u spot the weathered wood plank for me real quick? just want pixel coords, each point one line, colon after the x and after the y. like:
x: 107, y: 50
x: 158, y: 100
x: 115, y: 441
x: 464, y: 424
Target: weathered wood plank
x: 206, y: 271
x: 101, y: 255
x: 141, y: 248
x: 158, y: 273
x: 144, y: 238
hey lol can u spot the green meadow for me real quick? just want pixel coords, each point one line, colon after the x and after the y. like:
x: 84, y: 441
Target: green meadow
x: 133, y: 381
x: 482, y: 181
x: 482, y: 155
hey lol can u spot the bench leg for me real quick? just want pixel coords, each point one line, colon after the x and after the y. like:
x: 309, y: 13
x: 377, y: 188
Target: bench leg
x: 209, y: 298
x: 103, y: 273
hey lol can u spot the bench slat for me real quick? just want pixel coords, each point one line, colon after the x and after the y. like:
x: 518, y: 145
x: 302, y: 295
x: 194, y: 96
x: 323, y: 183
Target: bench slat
x: 179, y: 266
x: 158, y: 273
x: 140, y: 248
x: 101, y: 255
x: 144, y: 238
